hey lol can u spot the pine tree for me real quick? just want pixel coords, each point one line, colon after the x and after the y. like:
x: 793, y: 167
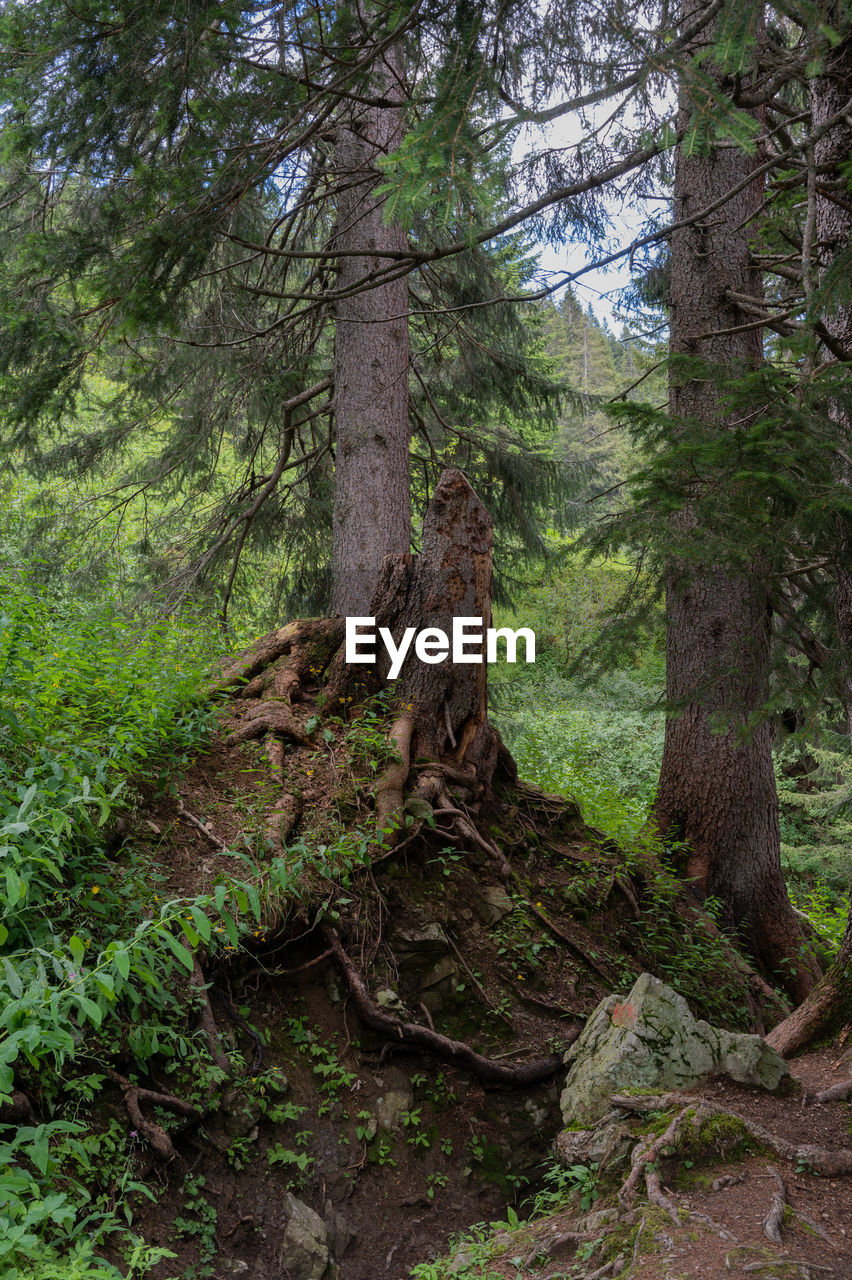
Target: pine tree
x: 181, y: 223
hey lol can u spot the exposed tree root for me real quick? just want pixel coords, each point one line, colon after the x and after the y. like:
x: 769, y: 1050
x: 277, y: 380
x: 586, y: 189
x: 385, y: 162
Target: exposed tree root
x: 836, y: 1093
x: 207, y: 1021
x: 391, y: 784
x: 569, y: 942
x: 431, y: 1041
x: 822, y: 1160
x: 654, y: 1192
x: 775, y: 1216
x: 269, y: 717
x: 153, y: 1132
x: 825, y: 1007
x: 308, y: 645
x: 645, y: 1153
x: 285, y: 814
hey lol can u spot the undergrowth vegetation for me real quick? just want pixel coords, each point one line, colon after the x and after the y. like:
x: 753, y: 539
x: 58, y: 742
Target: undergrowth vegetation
x: 96, y: 700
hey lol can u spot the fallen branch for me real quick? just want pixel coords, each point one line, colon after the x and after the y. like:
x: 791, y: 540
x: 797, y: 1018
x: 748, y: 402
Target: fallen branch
x: 201, y: 826
x: 411, y: 1033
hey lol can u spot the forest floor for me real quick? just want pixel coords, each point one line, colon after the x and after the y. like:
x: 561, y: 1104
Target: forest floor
x: 396, y: 1150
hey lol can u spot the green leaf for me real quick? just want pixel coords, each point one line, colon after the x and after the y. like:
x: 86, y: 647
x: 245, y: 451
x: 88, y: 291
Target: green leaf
x: 179, y: 950
x: 92, y: 1011
x: 77, y: 948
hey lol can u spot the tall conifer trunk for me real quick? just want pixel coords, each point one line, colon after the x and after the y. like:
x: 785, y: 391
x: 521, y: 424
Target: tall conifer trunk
x: 717, y: 785
x: 371, y: 358
x: 831, y: 93
x: 829, y: 1003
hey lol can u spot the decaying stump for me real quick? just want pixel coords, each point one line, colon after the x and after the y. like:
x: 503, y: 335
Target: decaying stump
x: 450, y: 578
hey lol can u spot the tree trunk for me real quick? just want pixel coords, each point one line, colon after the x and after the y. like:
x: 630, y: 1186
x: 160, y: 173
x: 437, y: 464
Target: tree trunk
x: 371, y: 358
x: 830, y: 1003
x: 830, y: 93
x: 717, y: 785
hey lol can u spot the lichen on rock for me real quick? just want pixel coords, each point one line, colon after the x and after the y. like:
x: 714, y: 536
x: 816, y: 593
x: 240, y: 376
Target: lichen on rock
x: 650, y: 1040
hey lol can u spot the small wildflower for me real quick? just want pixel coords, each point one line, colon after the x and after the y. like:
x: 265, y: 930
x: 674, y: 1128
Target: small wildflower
x: 96, y: 888
x: 134, y: 1133
x: 520, y: 977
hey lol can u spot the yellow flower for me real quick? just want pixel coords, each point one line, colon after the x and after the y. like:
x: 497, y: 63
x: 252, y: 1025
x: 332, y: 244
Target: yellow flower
x: 95, y: 888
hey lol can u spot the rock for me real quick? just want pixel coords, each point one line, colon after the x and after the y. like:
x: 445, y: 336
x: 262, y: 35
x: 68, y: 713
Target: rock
x: 419, y: 808
x: 651, y: 1041
x: 390, y: 1107
x: 304, y: 1247
x: 388, y: 999
x: 421, y: 940
x: 232, y: 1266
x: 238, y: 1114
x: 604, y: 1145
x: 492, y: 904
x: 339, y: 1234
x: 445, y: 968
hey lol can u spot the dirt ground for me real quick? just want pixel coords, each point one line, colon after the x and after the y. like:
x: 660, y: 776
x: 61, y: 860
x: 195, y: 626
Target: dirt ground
x: 399, y: 1151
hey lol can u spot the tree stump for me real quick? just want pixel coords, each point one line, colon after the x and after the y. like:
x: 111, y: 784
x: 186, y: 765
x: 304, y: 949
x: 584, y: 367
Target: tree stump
x: 450, y: 578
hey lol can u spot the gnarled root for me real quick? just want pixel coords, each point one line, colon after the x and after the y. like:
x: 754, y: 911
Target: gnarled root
x: 775, y: 1216
x: 389, y: 788
x: 207, y: 1022
x: 833, y: 1164
x: 431, y: 1041
x: 308, y: 647
x: 153, y: 1132
x: 269, y: 717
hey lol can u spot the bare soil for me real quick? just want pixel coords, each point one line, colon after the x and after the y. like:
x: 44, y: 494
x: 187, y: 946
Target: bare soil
x: 498, y: 978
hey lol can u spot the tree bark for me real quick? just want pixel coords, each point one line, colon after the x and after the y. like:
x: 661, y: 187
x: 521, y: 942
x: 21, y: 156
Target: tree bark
x: 830, y: 1003
x: 828, y: 1006
x: 831, y: 92
x: 717, y: 785
x: 371, y: 359
x: 450, y: 578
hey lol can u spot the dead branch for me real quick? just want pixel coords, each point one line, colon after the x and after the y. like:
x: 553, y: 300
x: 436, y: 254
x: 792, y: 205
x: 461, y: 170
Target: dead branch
x: 412, y: 1033
x: 201, y: 826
